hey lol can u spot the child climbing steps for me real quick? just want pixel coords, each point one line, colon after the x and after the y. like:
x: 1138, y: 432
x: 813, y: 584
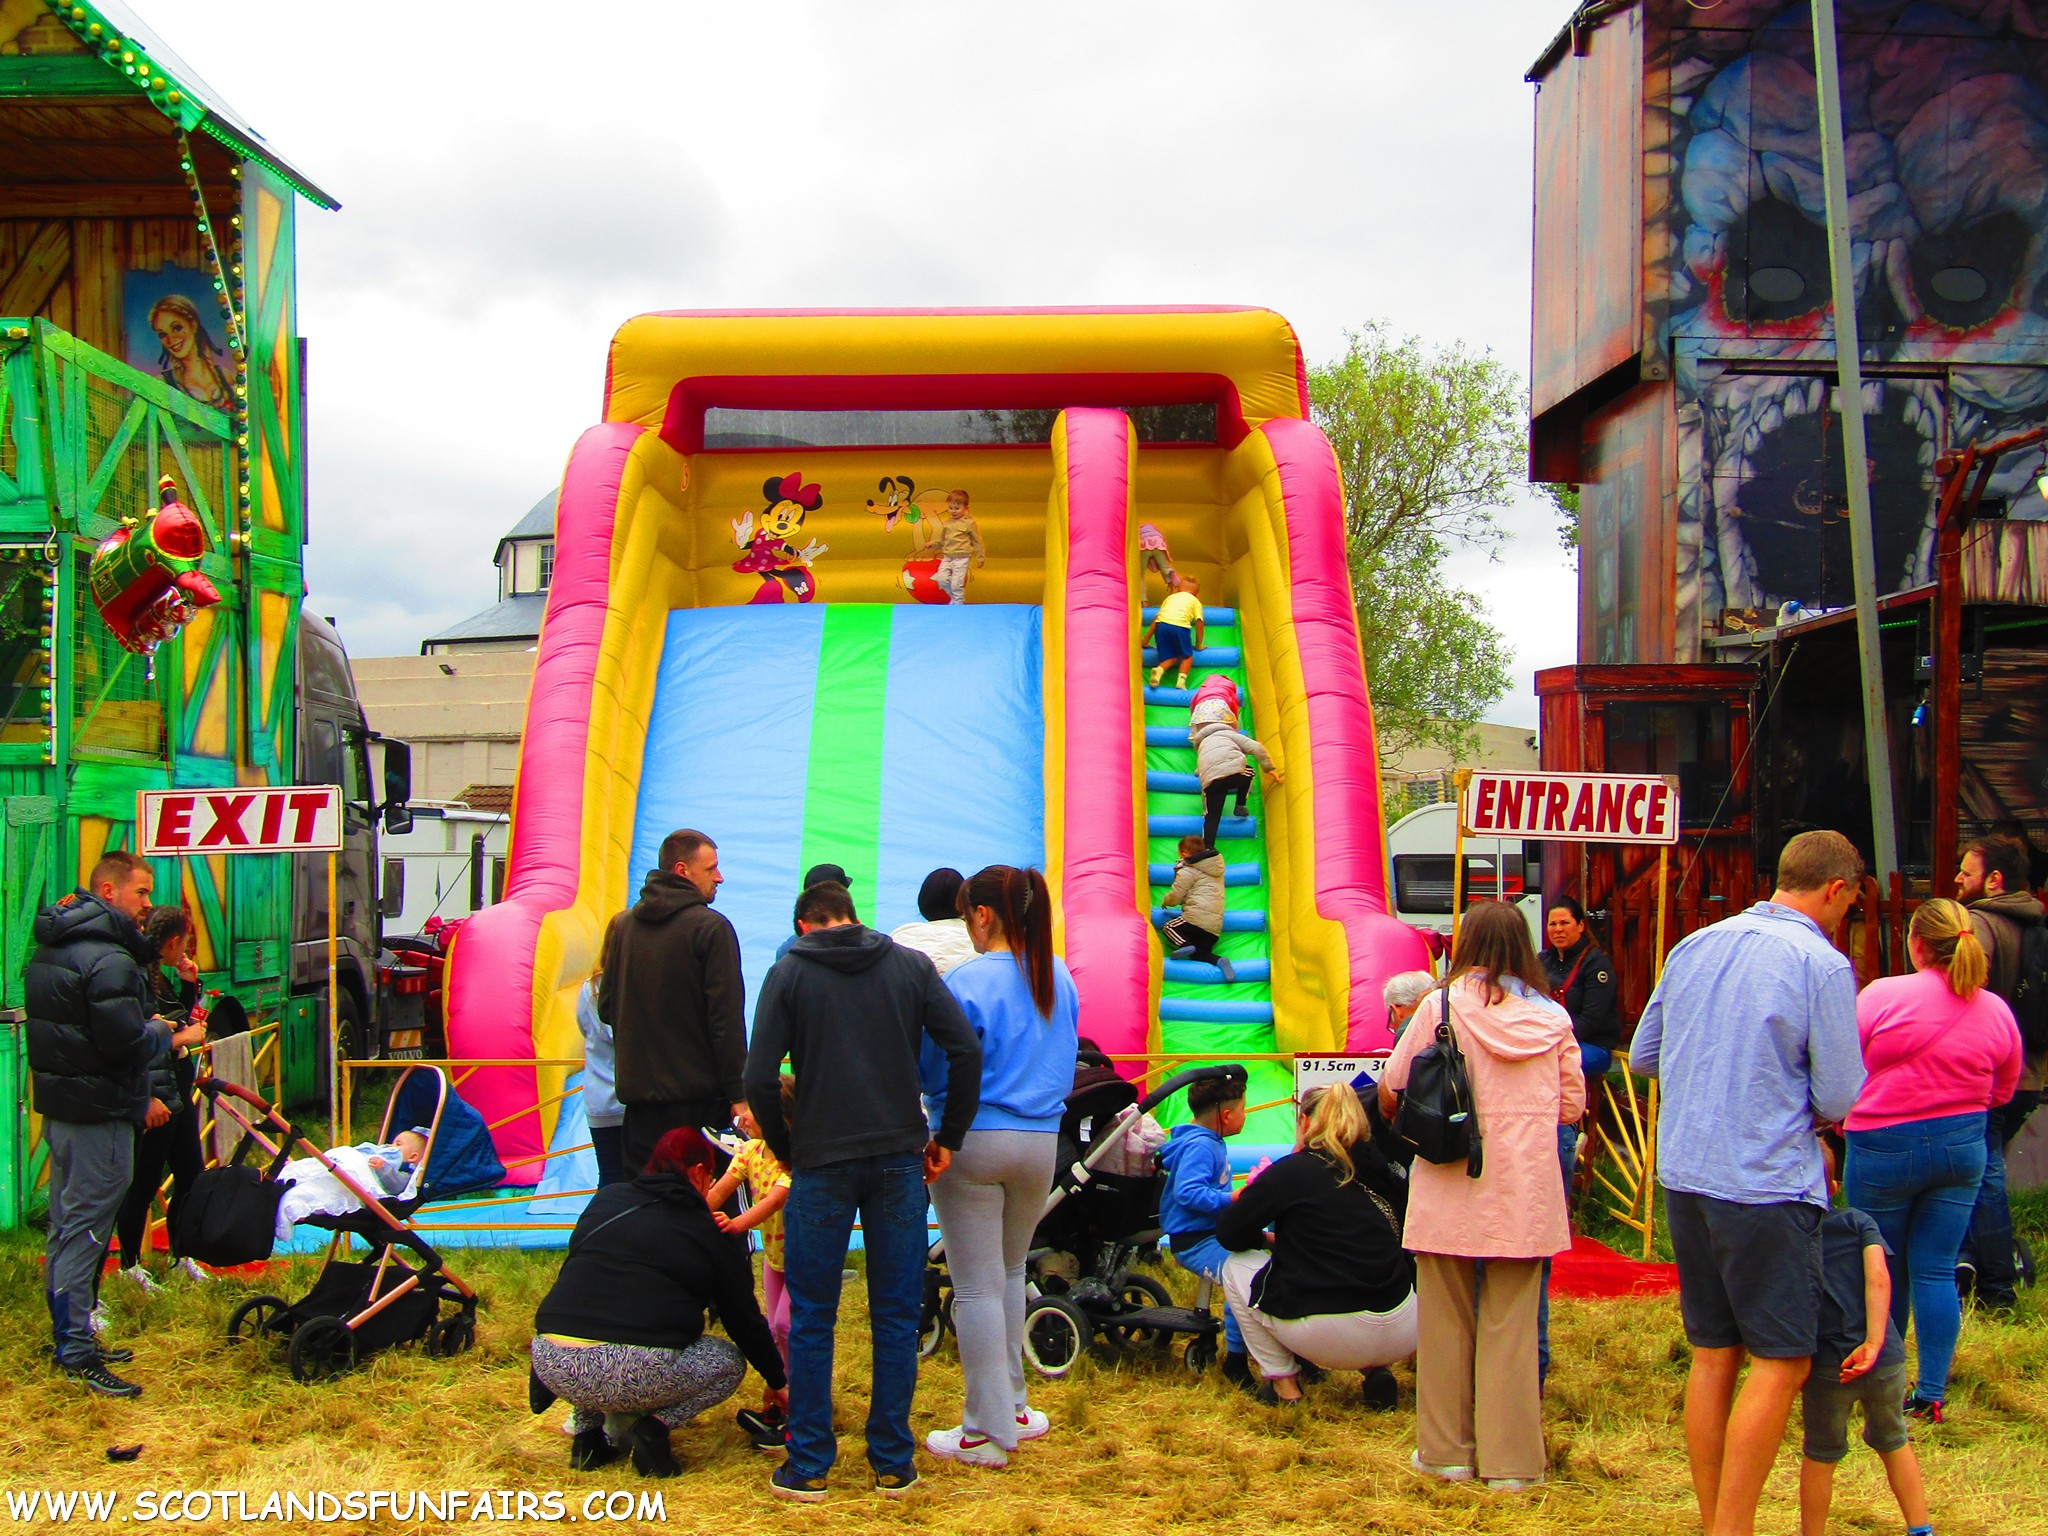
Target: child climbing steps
x: 1198, y: 891
x: 1178, y: 629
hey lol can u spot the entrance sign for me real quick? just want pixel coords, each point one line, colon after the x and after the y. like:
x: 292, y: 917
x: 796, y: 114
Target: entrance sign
x: 1575, y: 807
x: 299, y: 818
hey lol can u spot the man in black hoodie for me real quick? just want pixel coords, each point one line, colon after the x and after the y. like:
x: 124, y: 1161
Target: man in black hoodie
x: 91, y: 1039
x: 851, y: 1008
x: 675, y: 1000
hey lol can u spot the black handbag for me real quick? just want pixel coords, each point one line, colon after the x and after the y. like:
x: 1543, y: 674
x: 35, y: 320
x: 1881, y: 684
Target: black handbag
x: 1437, y: 1116
x: 229, y: 1214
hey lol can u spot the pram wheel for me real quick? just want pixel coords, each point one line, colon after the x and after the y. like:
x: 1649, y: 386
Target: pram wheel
x: 936, y: 1323
x: 1141, y: 1291
x: 1055, y: 1333
x: 1200, y: 1355
x: 452, y: 1335
x: 256, y: 1318
x: 322, y: 1348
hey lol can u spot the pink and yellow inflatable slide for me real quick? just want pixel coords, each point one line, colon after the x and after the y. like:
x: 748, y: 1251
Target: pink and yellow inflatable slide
x: 790, y: 462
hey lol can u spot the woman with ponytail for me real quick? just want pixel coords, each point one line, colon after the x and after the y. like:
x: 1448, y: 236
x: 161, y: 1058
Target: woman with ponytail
x: 1018, y: 996
x: 1940, y: 1049
x: 1338, y: 1289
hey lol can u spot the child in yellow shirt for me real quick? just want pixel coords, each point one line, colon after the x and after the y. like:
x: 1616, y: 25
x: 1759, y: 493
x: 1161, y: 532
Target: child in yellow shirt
x: 1178, y: 630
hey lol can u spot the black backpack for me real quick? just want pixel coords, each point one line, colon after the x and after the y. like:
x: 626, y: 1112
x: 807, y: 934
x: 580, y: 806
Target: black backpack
x: 2030, y: 988
x: 229, y: 1214
x: 1437, y: 1116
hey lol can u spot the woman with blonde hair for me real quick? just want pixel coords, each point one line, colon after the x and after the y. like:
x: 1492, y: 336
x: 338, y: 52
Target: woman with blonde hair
x: 1940, y: 1049
x: 1522, y: 1060
x: 1337, y: 1289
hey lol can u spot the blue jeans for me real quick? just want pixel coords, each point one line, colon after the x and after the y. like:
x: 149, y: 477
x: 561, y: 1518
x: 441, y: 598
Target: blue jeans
x: 1206, y: 1259
x: 1567, y: 1161
x: 887, y: 1194
x: 1990, y: 1244
x: 1918, y: 1182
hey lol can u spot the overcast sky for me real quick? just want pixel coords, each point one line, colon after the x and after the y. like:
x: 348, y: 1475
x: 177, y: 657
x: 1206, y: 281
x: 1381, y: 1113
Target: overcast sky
x: 518, y: 179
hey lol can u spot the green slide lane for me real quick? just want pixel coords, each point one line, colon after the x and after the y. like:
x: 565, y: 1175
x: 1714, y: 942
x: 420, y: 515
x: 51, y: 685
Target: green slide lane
x: 1269, y: 1080
x: 843, y: 785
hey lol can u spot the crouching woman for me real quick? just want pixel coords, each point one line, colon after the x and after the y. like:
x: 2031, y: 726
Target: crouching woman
x: 621, y: 1335
x: 1338, y: 1289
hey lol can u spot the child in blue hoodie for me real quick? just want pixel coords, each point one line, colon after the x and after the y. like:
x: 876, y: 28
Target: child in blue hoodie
x: 1197, y: 1168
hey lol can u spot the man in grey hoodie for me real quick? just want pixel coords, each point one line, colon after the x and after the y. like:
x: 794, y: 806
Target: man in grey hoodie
x: 851, y: 1009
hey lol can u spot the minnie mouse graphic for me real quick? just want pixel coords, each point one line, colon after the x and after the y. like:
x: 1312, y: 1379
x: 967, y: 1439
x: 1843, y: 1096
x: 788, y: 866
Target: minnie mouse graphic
x: 785, y: 571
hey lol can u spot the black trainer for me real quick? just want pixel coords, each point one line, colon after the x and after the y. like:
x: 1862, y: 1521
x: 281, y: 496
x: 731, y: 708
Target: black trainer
x: 1309, y: 1372
x: 591, y: 1449
x: 769, y: 1431
x: 94, y: 1376
x: 1237, y: 1370
x: 1380, y: 1392
x: 653, y: 1456
x: 116, y: 1356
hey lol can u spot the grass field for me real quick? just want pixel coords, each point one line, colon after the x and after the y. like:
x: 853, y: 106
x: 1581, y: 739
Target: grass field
x: 1135, y: 1447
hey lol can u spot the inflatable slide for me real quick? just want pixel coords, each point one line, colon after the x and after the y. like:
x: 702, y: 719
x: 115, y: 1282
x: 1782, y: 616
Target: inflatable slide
x: 747, y: 634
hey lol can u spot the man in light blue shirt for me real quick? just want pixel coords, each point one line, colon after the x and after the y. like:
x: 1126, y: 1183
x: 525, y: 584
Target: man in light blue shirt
x: 1752, y: 1031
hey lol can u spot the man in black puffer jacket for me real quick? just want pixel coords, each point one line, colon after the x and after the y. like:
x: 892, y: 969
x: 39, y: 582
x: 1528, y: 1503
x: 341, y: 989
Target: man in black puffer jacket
x: 91, y: 1039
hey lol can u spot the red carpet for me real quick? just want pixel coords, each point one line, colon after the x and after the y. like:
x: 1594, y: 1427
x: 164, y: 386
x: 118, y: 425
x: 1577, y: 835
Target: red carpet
x: 1594, y: 1269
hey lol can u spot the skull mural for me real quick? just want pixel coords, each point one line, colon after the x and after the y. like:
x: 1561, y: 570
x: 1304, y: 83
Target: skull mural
x: 1946, y: 133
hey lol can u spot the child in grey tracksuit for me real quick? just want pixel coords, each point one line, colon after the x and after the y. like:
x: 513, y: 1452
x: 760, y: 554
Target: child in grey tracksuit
x: 1198, y: 891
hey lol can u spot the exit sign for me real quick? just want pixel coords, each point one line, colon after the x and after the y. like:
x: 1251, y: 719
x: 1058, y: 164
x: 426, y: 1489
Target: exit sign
x: 299, y: 818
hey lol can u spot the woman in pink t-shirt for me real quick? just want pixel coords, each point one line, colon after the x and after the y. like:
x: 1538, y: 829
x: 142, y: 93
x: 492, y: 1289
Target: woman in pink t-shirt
x: 1941, y: 1048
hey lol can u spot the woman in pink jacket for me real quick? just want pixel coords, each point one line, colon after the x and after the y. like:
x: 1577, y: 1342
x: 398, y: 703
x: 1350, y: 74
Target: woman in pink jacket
x: 1524, y: 1065
x: 1940, y: 1048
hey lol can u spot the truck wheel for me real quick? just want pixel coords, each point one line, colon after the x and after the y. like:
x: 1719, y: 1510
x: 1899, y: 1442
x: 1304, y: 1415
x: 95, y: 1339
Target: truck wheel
x: 353, y: 1039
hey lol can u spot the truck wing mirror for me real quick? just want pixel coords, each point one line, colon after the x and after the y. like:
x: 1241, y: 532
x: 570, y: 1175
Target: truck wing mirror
x: 397, y: 786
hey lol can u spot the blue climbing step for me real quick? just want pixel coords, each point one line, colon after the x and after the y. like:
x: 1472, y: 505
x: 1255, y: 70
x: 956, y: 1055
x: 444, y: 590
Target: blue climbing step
x: 1202, y: 974
x: 1233, y: 874
x: 1169, y: 696
x: 1191, y: 826
x: 1166, y: 736
x: 1220, y: 618
x: 1208, y: 656
x: 1201, y: 1010
x: 1173, y: 783
x: 1233, y: 922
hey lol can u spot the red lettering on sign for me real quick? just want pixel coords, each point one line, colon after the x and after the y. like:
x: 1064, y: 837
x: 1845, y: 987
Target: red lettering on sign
x: 306, y: 804
x: 1487, y: 789
x: 273, y: 818
x: 1510, y: 803
x: 1582, y: 810
x: 1608, y: 818
x: 1559, y: 796
x: 1634, y: 813
x: 174, y: 821
x: 1659, y: 794
x: 226, y: 830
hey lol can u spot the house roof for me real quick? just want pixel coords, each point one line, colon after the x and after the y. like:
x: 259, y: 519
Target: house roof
x: 539, y: 523
x: 516, y: 618
x: 487, y: 797
x: 111, y: 32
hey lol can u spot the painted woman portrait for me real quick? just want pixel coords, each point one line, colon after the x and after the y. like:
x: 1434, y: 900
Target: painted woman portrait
x: 190, y: 358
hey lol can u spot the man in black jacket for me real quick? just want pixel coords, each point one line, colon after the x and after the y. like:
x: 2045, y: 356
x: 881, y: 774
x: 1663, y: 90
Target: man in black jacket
x: 851, y: 1009
x: 91, y: 1039
x: 675, y: 1000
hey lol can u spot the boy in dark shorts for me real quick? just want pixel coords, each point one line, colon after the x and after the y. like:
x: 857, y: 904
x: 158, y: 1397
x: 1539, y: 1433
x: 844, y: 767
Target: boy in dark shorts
x: 1178, y: 630
x: 1859, y: 1359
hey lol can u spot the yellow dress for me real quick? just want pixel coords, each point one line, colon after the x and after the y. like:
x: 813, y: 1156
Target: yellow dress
x: 762, y: 1173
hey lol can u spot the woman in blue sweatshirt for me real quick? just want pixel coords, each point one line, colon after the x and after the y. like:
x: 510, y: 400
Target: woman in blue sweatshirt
x: 1020, y: 999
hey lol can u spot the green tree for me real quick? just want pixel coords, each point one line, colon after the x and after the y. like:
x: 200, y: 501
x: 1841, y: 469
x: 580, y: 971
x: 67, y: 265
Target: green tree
x: 1431, y: 444
x: 1566, y: 499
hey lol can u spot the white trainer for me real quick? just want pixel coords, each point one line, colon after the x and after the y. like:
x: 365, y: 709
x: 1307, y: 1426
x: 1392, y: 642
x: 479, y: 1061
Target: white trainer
x: 970, y: 1450
x: 144, y: 1280
x: 191, y: 1269
x: 97, y: 1319
x: 1447, y: 1474
x: 1032, y: 1425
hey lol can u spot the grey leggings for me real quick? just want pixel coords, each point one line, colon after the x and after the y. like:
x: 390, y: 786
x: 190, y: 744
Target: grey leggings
x: 614, y: 1384
x: 989, y: 1203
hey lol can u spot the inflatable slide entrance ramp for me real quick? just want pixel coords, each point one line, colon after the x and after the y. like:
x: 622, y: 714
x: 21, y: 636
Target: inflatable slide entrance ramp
x: 753, y: 631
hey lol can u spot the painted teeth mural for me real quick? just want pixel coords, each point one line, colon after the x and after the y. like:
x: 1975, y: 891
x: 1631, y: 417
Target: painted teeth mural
x: 1947, y: 141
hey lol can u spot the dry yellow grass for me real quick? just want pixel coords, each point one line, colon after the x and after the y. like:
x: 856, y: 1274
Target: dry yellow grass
x: 1137, y: 1447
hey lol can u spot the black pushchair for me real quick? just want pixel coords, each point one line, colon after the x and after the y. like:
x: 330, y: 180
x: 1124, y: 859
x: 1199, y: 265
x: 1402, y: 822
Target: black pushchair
x: 394, y: 1296
x: 1104, y: 1223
